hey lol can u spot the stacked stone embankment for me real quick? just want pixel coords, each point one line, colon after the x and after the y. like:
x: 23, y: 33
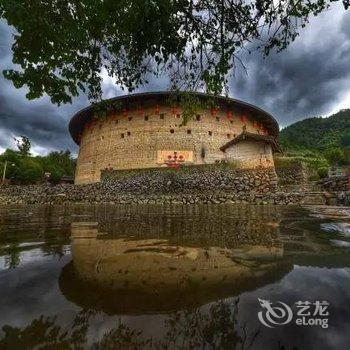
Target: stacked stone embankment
x: 189, y: 186
x: 294, y: 176
x: 338, y: 190
x: 339, y: 183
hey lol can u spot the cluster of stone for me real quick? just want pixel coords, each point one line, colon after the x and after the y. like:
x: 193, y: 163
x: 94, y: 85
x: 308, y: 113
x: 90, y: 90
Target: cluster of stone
x: 211, y: 185
x: 343, y: 198
x: 194, y: 179
x: 106, y: 193
x: 291, y: 177
x: 339, y: 183
x: 338, y: 190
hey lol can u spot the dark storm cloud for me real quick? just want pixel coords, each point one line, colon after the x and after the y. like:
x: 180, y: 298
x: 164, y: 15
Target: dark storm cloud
x: 310, y: 78
x: 45, y: 124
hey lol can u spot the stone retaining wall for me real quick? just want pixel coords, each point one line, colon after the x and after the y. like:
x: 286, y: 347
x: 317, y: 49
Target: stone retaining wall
x: 192, y: 178
x: 188, y: 185
x: 339, y: 183
x: 293, y: 176
x: 105, y: 193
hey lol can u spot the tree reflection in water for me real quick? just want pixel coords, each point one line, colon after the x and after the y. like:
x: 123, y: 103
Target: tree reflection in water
x: 12, y: 256
x: 216, y: 328
x: 45, y: 333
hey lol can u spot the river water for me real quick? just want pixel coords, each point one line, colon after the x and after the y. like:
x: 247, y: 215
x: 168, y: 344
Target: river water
x: 174, y: 277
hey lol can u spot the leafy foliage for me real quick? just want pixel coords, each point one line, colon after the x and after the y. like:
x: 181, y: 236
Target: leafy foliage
x: 62, y: 47
x: 25, y: 169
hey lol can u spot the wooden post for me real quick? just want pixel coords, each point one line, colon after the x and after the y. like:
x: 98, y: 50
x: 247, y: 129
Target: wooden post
x: 4, y: 173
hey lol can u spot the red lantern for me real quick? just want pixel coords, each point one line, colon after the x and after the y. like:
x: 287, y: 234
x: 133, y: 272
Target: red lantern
x: 157, y: 109
x: 229, y: 115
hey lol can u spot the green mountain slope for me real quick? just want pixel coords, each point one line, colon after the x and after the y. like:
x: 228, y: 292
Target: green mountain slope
x: 318, y: 134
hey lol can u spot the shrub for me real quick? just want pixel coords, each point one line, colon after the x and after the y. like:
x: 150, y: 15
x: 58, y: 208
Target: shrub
x: 322, y: 172
x: 28, y: 171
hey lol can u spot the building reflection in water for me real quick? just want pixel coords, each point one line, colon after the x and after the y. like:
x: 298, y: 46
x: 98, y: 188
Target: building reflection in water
x: 143, y: 274
x: 183, y: 271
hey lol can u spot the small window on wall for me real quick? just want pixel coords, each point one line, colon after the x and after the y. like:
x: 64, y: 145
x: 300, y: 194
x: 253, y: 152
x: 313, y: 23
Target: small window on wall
x: 228, y: 136
x: 161, y: 116
x: 130, y: 119
x: 217, y: 119
x: 100, y: 126
x: 198, y: 118
x: 178, y: 115
x: 210, y: 133
x: 128, y: 133
x: 122, y: 136
x: 172, y: 131
x: 102, y: 137
x: 189, y: 132
x: 231, y: 121
x: 117, y: 121
x: 146, y: 117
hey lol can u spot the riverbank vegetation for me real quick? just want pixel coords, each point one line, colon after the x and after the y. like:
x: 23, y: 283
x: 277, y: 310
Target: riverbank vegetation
x: 23, y: 168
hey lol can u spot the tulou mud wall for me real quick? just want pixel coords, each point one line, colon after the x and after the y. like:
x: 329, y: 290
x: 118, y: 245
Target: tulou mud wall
x: 136, y: 140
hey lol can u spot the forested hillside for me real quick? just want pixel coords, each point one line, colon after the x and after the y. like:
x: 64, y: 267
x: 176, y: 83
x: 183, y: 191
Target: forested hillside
x: 327, y: 138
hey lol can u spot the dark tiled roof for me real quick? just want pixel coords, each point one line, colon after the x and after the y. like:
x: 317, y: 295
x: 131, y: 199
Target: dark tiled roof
x: 255, y: 137
x: 78, y: 121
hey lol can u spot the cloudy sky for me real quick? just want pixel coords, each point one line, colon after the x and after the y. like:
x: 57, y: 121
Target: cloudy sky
x: 310, y: 78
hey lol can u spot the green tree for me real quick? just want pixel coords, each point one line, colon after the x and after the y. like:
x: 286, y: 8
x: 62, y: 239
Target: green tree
x: 23, y: 145
x: 28, y: 171
x: 61, y: 47
x: 345, y: 139
x: 58, y: 163
x: 335, y: 156
x: 13, y: 159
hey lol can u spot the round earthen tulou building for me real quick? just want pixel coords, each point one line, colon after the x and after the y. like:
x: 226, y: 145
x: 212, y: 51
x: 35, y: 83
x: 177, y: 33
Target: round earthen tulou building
x: 146, y: 130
